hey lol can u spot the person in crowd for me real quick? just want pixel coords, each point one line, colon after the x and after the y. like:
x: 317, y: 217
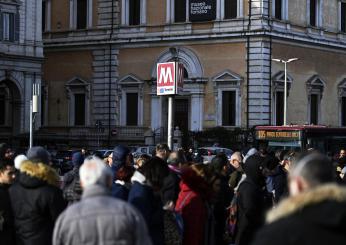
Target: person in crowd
x: 121, y: 156
x: 7, y: 176
x: 251, y: 201
x: 36, y: 199
x: 122, y: 184
x: 72, y: 189
x: 170, y: 188
x: 315, y: 212
x: 145, y: 195
x: 6, y: 153
x: 98, y: 218
x: 141, y: 160
x: 220, y: 166
x: 342, y: 153
x: 237, y: 170
x: 192, y: 204
x: 162, y: 151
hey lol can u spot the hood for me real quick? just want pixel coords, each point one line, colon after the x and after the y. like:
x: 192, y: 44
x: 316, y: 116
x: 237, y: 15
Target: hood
x: 37, y: 174
x: 325, y: 205
x: 253, y: 169
x: 77, y: 159
x: 191, y: 181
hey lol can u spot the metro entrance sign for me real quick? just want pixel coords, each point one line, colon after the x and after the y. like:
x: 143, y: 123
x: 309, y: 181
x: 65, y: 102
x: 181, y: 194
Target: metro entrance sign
x: 170, y: 78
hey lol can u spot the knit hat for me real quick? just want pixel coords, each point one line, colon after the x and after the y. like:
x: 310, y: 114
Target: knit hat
x: 120, y: 153
x: 77, y: 159
x: 38, y: 154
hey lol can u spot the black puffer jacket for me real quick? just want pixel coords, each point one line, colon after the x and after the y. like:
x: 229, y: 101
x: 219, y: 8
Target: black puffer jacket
x: 315, y: 217
x: 36, y: 203
x: 6, y: 217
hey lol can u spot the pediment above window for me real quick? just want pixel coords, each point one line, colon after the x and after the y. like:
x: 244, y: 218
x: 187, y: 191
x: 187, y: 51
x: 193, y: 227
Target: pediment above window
x: 280, y: 77
x: 315, y: 84
x: 342, y: 88
x: 76, y: 81
x: 130, y: 80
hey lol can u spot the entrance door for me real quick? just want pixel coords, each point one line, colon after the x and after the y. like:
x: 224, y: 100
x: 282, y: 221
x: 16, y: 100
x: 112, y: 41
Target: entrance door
x: 181, y: 114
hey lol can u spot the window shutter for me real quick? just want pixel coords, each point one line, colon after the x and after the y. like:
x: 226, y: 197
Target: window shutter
x: 1, y: 27
x: 17, y: 27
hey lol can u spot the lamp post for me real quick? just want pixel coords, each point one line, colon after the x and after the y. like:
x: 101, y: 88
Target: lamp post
x: 285, y: 85
x: 33, y: 111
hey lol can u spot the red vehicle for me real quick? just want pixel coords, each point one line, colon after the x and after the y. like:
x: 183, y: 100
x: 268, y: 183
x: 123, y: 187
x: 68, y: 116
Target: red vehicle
x: 301, y: 137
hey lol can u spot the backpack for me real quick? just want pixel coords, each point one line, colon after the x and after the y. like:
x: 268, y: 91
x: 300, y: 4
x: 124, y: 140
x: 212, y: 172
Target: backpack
x: 72, y: 190
x: 174, y: 225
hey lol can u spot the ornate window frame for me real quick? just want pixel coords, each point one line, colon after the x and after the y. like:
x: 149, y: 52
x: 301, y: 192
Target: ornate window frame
x: 130, y: 84
x: 125, y: 12
x: 341, y: 94
x: 319, y: 13
x: 278, y: 85
x: 227, y: 81
x: 73, y: 14
x: 284, y: 9
x: 74, y: 86
x: 315, y: 85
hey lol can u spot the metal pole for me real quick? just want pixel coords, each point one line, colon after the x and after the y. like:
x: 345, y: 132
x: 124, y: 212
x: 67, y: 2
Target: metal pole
x: 170, y: 123
x: 31, y: 125
x: 285, y: 96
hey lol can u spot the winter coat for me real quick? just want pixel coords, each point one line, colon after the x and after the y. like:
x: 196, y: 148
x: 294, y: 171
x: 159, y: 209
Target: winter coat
x: 280, y: 183
x: 191, y: 204
x: 120, y: 190
x: 143, y: 198
x: 170, y: 188
x: 223, y: 200
x: 100, y: 219
x: 315, y: 217
x: 36, y: 203
x: 7, y: 232
x: 250, y: 202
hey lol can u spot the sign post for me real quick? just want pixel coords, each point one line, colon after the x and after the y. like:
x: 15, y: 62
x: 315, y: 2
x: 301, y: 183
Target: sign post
x: 170, y: 77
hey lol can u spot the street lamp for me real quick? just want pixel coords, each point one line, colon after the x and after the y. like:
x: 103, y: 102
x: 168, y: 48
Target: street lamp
x: 285, y: 86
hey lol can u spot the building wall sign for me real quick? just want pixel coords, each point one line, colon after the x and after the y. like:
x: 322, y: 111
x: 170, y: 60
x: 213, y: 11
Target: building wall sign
x: 202, y: 10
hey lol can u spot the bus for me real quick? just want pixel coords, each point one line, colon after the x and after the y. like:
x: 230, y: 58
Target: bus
x: 302, y: 137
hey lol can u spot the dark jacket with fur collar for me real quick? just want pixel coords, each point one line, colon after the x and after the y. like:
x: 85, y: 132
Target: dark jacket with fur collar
x: 36, y: 203
x: 314, y: 217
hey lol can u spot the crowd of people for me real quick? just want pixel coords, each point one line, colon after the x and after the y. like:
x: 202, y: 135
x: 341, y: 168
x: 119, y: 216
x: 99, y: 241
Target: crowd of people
x: 251, y: 197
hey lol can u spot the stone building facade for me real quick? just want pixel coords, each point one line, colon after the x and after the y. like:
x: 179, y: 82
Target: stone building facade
x: 21, y: 58
x: 107, y: 59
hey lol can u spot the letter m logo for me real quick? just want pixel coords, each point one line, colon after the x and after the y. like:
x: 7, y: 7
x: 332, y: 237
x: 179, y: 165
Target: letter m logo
x: 165, y: 74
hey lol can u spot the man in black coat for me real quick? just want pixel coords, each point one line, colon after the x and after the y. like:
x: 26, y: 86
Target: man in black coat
x: 7, y: 175
x: 36, y: 199
x: 315, y: 212
x: 251, y: 201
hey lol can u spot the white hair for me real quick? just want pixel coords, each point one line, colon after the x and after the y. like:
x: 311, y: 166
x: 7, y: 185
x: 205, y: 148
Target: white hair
x: 94, y: 171
x: 19, y: 160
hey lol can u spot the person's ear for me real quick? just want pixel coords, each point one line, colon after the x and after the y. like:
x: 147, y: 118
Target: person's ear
x: 297, y: 185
